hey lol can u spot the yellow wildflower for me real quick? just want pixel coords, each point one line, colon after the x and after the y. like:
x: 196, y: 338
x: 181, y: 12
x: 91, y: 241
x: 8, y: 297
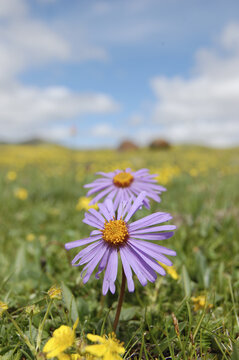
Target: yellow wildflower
x: 193, y: 172
x: 200, y: 302
x: 62, y: 339
x: 170, y: 270
x: 108, y: 347
x: 30, y: 237
x: 83, y: 204
x: 55, y: 292
x: 11, y: 175
x: 21, y: 194
x: 3, y: 307
x: 63, y: 356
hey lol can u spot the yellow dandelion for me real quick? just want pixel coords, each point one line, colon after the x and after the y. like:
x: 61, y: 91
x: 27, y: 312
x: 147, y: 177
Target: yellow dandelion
x: 21, y: 194
x: 193, y: 172
x: 30, y: 237
x: 108, y: 348
x: 63, y: 356
x: 200, y: 302
x: 11, y: 175
x: 3, y: 307
x: 170, y: 270
x: 62, y: 339
x: 83, y: 204
x: 55, y: 292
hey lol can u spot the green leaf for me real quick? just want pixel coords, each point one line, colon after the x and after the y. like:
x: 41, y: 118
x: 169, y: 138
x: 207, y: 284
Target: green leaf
x: 186, y: 282
x: 70, y: 302
x: 235, y: 352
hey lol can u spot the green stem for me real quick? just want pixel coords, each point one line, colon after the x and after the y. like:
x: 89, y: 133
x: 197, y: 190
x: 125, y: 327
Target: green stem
x: 23, y: 336
x: 41, y: 327
x: 120, y: 301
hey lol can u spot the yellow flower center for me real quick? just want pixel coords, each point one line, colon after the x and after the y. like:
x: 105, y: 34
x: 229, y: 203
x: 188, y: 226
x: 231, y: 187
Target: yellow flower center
x: 115, y: 232
x: 123, y: 179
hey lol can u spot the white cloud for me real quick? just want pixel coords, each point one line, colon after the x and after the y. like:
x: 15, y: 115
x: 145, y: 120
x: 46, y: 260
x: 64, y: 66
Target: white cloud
x: 205, y: 107
x: 27, y: 111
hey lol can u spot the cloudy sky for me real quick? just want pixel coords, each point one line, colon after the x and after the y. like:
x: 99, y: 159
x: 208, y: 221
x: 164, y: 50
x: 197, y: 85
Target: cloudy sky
x: 90, y: 73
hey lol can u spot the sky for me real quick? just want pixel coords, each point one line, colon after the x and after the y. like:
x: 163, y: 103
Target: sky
x: 92, y: 73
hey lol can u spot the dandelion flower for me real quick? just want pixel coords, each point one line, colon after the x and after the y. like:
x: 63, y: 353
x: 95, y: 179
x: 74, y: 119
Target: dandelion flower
x: 200, y: 302
x: 83, y: 204
x: 30, y: 237
x: 108, y: 347
x: 115, y: 235
x: 122, y: 185
x: 170, y: 270
x: 21, y: 194
x: 11, y: 175
x: 62, y: 339
x: 3, y: 307
x: 55, y: 292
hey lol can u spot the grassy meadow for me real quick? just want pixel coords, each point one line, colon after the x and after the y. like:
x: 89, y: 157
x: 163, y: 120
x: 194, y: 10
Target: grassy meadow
x: 191, y: 313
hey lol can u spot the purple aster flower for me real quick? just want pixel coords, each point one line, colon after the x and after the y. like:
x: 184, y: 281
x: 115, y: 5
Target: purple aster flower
x: 132, y: 241
x: 122, y: 185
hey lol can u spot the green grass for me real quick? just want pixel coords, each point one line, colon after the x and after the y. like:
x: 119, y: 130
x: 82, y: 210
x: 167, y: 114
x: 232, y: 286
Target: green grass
x: 206, y: 212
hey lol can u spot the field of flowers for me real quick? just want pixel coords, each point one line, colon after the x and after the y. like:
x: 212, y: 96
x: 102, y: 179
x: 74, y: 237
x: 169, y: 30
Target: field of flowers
x: 191, y: 313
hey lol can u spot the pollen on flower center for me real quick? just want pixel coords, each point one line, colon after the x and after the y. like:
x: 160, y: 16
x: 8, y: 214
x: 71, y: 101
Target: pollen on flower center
x: 115, y: 232
x: 123, y: 179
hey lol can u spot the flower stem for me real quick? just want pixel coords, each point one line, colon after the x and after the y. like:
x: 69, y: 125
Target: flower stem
x: 40, y: 329
x: 120, y: 301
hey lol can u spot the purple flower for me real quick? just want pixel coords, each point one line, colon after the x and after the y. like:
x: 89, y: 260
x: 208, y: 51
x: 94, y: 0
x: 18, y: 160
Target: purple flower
x: 115, y: 235
x: 122, y: 185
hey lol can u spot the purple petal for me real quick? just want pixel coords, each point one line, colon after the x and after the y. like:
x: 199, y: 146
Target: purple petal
x: 103, y: 262
x: 111, y: 272
x: 104, y: 211
x: 95, y: 232
x: 90, y: 220
x: 156, y: 247
x: 96, y: 189
x: 86, y: 254
x: 140, y: 267
x: 74, y: 244
x: 109, y: 205
x: 136, y: 205
x: 140, y: 172
x: 109, y: 175
x: 152, y: 264
x: 93, y: 263
x: 98, y: 182
x: 153, y: 219
x: 133, y: 263
x: 152, y: 229
x: 118, y: 198
x: 153, y: 237
x: 97, y: 215
x: 151, y: 252
x: 111, y: 195
x: 127, y: 271
x: 101, y: 194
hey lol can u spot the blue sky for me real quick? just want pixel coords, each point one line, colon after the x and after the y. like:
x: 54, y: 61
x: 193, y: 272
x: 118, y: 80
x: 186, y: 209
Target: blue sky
x: 93, y: 73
